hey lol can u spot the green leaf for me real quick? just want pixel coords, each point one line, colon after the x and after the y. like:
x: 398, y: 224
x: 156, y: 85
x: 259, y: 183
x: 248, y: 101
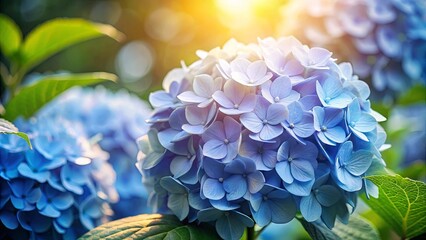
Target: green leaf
x: 31, y: 98
x: 151, y: 227
x: 58, y: 34
x: 7, y: 127
x: 415, y: 95
x: 357, y: 229
x: 11, y: 36
x: 401, y: 203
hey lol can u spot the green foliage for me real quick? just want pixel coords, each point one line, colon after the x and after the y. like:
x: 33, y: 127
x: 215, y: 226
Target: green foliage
x: 44, y: 41
x: 58, y: 34
x: 7, y: 127
x: 415, y: 95
x: 31, y: 98
x: 401, y: 203
x: 11, y: 36
x: 150, y: 227
x: 357, y: 229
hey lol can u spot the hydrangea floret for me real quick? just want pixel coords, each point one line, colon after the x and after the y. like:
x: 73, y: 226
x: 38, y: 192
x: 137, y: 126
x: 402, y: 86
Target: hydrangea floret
x: 385, y: 40
x: 116, y: 120
x: 257, y: 133
x: 58, y: 189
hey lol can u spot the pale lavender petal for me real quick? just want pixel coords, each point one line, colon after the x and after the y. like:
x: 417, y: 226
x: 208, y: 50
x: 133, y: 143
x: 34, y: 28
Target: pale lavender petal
x: 215, y: 149
x: 215, y: 131
x: 281, y: 87
x: 252, y: 122
x: 222, y: 99
x: 232, y: 129
x: 190, y: 97
x: 276, y: 114
x: 269, y: 132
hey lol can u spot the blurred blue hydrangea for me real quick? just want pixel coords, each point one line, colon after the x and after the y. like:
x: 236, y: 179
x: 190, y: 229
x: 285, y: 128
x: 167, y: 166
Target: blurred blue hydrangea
x: 116, y: 120
x: 58, y: 189
x: 251, y: 134
x: 385, y: 40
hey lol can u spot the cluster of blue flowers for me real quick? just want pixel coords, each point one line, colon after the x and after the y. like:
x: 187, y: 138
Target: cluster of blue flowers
x: 57, y: 190
x: 117, y: 120
x: 384, y: 39
x: 255, y: 133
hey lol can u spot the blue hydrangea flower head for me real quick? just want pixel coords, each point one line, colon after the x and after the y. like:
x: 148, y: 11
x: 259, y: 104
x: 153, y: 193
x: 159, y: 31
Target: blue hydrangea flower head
x: 260, y: 132
x: 384, y: 40
x: 116, y: 120
x: 42, y: 189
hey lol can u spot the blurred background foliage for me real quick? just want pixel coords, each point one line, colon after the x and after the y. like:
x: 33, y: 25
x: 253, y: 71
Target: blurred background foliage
x: 159, y: 33
x: 162, y: 33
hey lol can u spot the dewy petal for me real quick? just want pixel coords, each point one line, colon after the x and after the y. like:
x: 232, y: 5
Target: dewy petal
x: 310, y: 208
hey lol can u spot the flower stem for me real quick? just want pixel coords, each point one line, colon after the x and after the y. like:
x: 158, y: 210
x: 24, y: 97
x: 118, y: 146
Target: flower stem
x: 250, y: 233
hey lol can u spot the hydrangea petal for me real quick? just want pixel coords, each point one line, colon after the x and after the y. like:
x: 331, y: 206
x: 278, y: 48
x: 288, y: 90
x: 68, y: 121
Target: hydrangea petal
x: 310, y: 208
